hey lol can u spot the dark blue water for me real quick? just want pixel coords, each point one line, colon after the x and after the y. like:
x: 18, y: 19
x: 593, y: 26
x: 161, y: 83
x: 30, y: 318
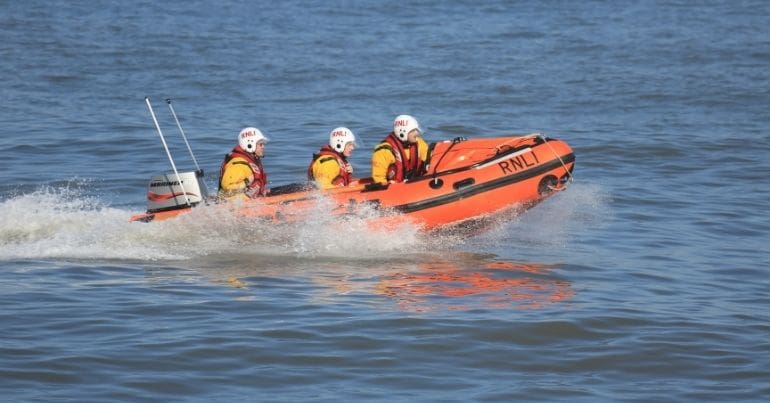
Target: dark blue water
x: 646, y: 280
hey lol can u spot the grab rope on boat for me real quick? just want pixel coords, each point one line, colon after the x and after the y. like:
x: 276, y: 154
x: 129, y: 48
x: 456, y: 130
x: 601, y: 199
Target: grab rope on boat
x: 569, y: 174
x: 435, y: 167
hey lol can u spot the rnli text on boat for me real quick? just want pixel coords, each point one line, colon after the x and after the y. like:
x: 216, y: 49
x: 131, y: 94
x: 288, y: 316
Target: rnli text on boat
x: 517, y: 163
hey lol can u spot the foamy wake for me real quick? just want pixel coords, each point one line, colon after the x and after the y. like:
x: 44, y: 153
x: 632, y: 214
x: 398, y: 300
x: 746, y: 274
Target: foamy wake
x: 60, y: 223
x: 63, y: 223
x: 556, y: 221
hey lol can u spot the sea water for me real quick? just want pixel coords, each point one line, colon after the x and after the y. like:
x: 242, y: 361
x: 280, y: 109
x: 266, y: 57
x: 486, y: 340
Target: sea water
x: 646, y: 280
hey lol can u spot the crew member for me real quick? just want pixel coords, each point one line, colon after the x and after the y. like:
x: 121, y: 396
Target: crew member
x: 402, y: 154
x: 242, y: 176
x: 330, y: 167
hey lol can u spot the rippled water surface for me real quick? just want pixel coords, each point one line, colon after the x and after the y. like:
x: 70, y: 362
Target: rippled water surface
x: 646, y: 280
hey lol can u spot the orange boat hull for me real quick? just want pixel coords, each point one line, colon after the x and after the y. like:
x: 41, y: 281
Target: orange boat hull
x: 466, y: 180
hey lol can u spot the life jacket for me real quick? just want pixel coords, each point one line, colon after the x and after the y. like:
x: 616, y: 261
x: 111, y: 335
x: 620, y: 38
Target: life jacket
x: 403, y: 168
x: 326, y: 153
x: 258, y: 186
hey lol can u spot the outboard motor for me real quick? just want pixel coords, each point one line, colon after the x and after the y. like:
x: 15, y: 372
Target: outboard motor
x: 168, y: 192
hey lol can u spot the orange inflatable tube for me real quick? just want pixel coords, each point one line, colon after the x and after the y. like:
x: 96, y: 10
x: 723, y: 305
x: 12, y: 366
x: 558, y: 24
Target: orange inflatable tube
x: 465, y: 180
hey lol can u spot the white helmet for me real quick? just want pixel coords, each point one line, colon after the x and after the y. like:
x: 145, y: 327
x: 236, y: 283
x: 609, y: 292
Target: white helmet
x: 403, y: 125
x: 249, y: 137
x: 340, y: 137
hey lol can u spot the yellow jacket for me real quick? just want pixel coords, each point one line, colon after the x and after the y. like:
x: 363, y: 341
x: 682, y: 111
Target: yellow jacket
x: 325, y: 170
x: 383, y: 158
x: 242, y: 179
x: 236, y: 176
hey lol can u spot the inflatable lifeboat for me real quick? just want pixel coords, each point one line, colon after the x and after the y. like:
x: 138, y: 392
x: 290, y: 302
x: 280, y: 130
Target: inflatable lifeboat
x: 466, y: 180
